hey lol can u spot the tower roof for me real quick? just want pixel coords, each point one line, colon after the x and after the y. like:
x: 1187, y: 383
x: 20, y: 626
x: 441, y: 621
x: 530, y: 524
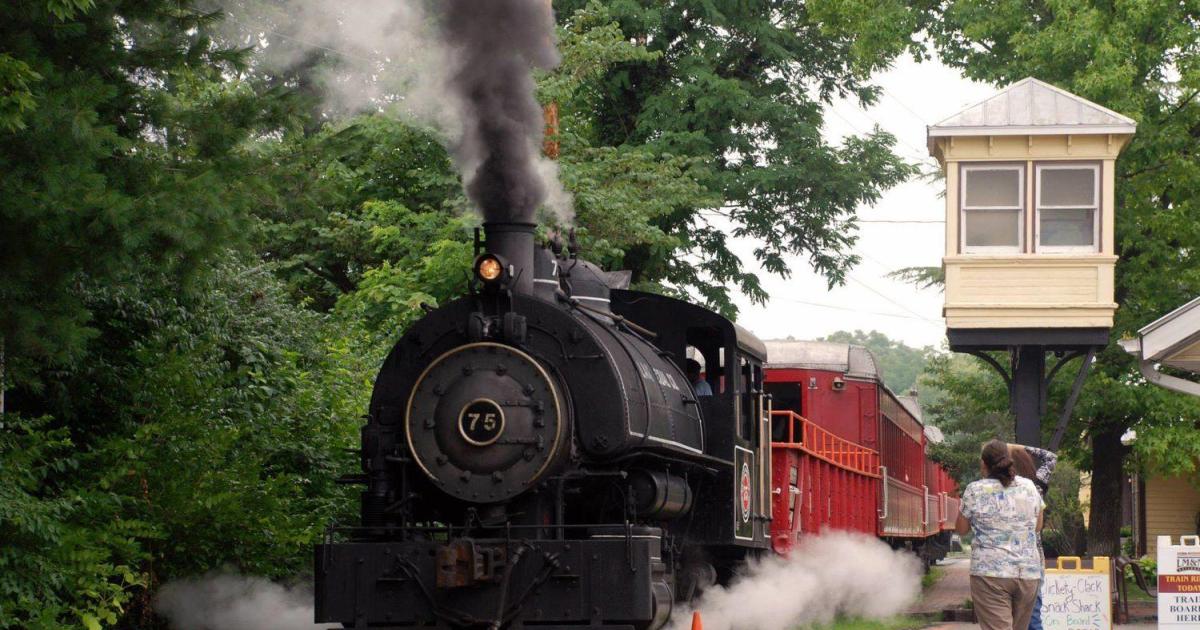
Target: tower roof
x: 1033, y: 107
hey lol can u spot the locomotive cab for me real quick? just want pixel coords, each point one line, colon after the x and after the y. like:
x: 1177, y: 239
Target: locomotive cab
x: 737, y: 429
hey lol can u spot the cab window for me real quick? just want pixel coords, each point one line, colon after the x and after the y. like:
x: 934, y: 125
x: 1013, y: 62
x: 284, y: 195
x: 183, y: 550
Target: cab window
x: 749, y: 388
x: 704, y: 347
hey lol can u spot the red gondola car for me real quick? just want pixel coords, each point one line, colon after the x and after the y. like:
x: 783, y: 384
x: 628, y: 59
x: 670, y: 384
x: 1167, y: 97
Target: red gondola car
x: 849, y: 454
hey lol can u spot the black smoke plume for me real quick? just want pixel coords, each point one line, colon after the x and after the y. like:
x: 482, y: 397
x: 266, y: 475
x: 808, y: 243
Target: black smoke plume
x: 498, y: 44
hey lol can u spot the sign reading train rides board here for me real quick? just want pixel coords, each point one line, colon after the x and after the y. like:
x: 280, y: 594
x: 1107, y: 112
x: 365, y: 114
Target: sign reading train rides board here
x: 1179, y: 582
x: 1075, y: 598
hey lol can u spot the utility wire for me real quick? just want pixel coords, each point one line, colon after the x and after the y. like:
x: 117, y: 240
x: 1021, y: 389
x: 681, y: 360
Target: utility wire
x: 916, y: 153
x: 931, y: 221
x: 857, y: 310
x: 889, y: 299
x: 905, y: 106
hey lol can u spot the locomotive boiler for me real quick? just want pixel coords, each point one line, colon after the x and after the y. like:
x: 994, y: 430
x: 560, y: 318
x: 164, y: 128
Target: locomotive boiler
x: 536, y: 455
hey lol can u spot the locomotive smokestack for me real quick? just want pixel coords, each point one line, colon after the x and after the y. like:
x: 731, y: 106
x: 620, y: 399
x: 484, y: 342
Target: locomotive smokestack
x: 499, y: 43
x: 513, y: 242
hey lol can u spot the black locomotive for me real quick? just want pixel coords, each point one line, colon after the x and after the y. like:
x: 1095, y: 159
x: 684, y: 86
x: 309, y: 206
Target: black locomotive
x: 535, y: 456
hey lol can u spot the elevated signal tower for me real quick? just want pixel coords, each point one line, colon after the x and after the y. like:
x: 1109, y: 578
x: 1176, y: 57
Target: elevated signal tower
x: 1030, y: 252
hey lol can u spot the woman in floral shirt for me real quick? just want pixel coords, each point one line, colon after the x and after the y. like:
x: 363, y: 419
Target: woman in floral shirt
x: 1005, y: 512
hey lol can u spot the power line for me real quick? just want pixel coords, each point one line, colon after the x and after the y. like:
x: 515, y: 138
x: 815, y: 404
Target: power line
x: 916, y: 153
x: 714, y: 213
x: 894, y: 302
x: 905, y: 106
x: 901, y: 221
x: 891, y: 267
x: 858, y: 310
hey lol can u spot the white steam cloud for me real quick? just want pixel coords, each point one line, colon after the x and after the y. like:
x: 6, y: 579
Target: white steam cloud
x: 235, y: 602
x: 832, y: 575
x: 366, y: 55
x: 836, y: 574
x: 393, y: 56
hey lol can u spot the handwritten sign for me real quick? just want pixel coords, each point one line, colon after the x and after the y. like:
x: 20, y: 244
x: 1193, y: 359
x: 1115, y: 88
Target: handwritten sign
x: 1074, y: 598
x: 1179, y: 582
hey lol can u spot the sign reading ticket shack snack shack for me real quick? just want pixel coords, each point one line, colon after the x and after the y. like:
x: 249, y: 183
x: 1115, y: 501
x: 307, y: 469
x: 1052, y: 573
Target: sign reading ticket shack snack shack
x: 1179, y: 582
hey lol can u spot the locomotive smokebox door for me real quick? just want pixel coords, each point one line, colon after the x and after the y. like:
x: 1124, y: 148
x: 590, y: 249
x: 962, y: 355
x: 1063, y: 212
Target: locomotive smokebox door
x: 485, y: 421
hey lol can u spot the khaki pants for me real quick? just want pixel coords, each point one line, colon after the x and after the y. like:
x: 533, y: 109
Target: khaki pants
x: 1003, y: 603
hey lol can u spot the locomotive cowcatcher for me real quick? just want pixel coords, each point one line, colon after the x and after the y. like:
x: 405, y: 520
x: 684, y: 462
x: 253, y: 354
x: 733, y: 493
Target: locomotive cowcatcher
x: 535, y: 455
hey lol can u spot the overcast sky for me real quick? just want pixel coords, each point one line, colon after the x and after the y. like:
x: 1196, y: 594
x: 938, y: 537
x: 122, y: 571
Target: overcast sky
x: 915, y: 95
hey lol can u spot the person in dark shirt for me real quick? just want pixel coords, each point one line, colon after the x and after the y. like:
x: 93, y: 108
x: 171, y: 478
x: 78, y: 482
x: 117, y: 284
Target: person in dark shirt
x: 1036, y: 464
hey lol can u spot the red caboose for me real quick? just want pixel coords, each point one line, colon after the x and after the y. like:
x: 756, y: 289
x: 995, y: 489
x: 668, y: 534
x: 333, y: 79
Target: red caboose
x: 849, y: 454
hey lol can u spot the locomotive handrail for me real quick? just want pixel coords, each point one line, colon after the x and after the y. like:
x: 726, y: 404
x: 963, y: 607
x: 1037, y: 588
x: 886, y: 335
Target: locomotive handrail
x: 823, y: 444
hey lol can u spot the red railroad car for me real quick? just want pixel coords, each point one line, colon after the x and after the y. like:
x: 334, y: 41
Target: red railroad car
x: 849, y: 454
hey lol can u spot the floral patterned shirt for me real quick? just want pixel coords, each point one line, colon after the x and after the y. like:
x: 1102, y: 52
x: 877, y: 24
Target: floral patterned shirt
x: 1004, y: 521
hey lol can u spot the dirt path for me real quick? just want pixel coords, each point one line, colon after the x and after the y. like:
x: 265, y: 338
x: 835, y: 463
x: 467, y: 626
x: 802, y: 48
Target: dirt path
x: 950, y: 591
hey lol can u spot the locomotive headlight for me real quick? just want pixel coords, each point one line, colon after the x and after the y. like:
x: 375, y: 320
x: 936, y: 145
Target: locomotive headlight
x: 489, y: 268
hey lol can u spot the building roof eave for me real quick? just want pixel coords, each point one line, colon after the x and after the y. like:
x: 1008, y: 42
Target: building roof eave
x: 1031, y: 130
x: 1164, y: 338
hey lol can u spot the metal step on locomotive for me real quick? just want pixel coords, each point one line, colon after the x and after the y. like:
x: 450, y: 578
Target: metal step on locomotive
x: 536, y: 456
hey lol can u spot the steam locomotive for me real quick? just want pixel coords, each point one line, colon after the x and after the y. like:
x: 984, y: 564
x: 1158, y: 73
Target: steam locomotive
x: 535, y: 455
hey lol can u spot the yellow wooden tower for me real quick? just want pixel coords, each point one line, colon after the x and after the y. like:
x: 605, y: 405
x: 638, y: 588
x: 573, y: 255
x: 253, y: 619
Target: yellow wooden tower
x: 1029, y: 232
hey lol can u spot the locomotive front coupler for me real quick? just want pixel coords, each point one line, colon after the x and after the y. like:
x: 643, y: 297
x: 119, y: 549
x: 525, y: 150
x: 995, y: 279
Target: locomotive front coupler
x: 463, y: 562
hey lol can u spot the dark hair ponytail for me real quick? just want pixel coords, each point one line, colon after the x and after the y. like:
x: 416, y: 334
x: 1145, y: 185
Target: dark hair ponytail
x: 998, y: 463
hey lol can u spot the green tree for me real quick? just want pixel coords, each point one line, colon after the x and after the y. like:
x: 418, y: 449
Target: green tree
x: 169, y: 409
x: 1138, y: 58
x: 367, y: 213
x: 738, y: 89
x: 66, y: 562
x: 970, y: 405
x: 121, y: 136
x: 340, y: 196
x: 206, y: 430
x: 901, y: 364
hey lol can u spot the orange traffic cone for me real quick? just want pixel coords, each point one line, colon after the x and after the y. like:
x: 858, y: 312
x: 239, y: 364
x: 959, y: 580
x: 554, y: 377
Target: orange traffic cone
x: 697, y: 624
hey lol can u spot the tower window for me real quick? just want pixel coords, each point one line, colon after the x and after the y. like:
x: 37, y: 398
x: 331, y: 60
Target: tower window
x: 1068, y: 207
x: 992, y: 208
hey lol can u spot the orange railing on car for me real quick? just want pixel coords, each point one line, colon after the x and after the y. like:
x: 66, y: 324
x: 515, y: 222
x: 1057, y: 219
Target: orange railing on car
x: 802, y: 434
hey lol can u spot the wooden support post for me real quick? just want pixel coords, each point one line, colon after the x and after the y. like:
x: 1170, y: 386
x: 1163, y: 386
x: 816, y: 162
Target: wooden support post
x: 1028, y: 367
x: 1028, y: 384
